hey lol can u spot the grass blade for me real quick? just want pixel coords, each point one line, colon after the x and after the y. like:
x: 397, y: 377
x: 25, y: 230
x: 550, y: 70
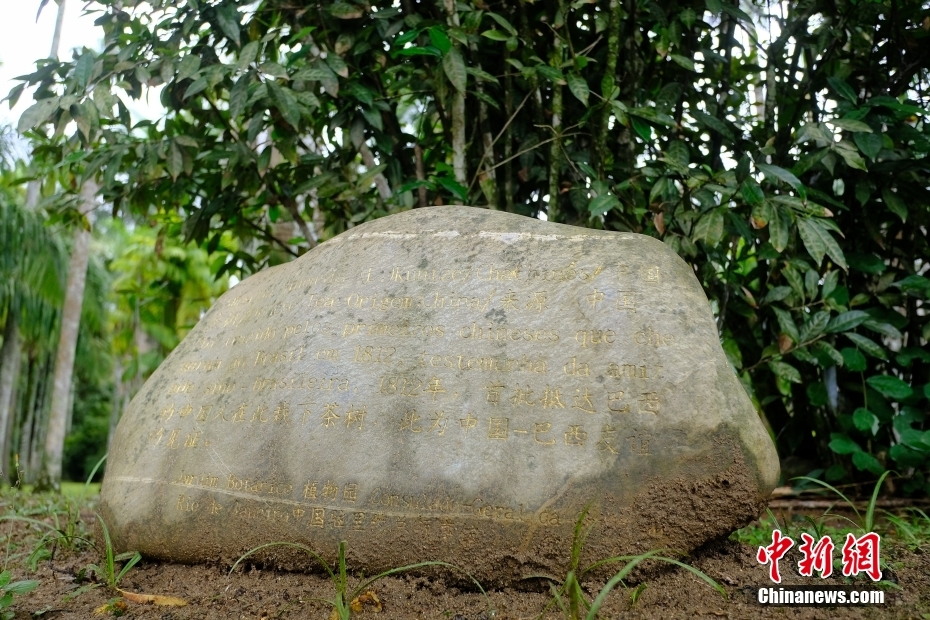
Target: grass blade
x: 870, y: 511
x: 284, y: 544
x: 834, y: 489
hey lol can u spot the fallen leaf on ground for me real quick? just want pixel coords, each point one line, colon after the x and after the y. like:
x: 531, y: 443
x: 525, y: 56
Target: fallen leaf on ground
x: 368, y: 599
x: 155, y: 599
x: 115, y: 607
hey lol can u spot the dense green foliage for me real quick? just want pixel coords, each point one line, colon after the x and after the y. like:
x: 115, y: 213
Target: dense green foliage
x: 780, y: 148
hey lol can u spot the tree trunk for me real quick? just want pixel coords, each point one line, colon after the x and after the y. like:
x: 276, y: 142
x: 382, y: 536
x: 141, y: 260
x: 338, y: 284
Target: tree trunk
x: 10, y: 355
x: 50, y: 473
x: 26, y: 432
x: 39, y: 421
x: 115, y: 410
x: 458, y: 114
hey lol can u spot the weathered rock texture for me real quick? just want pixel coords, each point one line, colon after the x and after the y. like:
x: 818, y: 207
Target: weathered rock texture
x: 447, y: 383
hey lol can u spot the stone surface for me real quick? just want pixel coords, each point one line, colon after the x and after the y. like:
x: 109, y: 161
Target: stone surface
x: 447, y: 383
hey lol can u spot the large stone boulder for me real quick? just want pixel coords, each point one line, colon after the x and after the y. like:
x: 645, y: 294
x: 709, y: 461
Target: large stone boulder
x: 450, y: 384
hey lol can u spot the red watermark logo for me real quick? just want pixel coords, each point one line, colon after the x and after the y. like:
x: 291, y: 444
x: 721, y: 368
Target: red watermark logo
x: 860, y: 555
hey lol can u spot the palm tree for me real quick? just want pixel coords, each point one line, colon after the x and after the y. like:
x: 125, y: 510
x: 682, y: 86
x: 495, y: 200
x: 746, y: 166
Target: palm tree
x: 31, y: 268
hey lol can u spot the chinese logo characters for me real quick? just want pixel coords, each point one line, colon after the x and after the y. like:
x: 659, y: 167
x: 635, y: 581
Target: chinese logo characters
x: 859, y: 555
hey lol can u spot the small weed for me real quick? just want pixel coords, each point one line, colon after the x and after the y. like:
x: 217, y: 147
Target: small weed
x: 67, y: 533
x: 636, y: 593
x: 9, y: 589
x: 865, y: 522
x: 108, y: 572
x: 115, y: 607
x: 912, y: 529
x: 345, y: 601
x: 577, y: 605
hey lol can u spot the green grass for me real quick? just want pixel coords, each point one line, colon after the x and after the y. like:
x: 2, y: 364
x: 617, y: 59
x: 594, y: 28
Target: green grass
x: 73, y: 489
x: 570, y: 597
x: 345, y: 599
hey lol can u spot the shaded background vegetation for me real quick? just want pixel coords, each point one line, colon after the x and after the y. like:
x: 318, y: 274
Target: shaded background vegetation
x: 781, y: 148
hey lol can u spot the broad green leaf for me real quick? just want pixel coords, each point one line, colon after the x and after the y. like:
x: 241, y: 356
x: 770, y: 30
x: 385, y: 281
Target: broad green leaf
x: 184, y: 140
x: 365, y: 180
x: 734, y: 355
x: 890, y: 387
x: 830, y: 280
x: 786, y: 323
x: 175, y: 161
x: 429, y: 50
x: 496, y: 35
x: 454, y: 67
x: 776, y: 294
x: 482, y: 75
x: 373, y: 117
x: 714, y: 123
x: 453, y: 187
x: 684, y: 61
x: 850, y: 125
x: 782, y: 174
x: 188, y: 66
x: 869, y: 143
x: 906, y: 457
x: 785, y: 371
x: 852, y: 158
x: 847, y: 321
x: 811, y: 282
x: 894, y: 204
x: 865, y: 420
x: 843, y: 89
x: 867, y: 462
x: 818, y: 241
x: 84, y: 69
x: 893, y: 104
x: 918, y: 286
x: 85, y: 117
x: 842, y: 444
x: 308, y: 99
x: 284, y: 99
x: 300, y: 35
x: 228, y: 17
x: 908, y: 354
x: 578, y: 87
x: 709, y: 227
x: 714, y: 6
x: 311, y: 74
x: 805, y: 207
x: 678, y: 153
x: 439, y: 39
x: 238, y: 96
x: 552, y: 74
x: 328, y: 79
x: 885, y: 329
x: 344, y: 10
x: 779, y: 228
x: 814, y: 326
x: 273, y: 69
x: 853, y: 359
x: 338, y: 65
x: 687, y: 17
x: 602, y: 204
x: 825, y: 350
x: 37, y: 114
x: 361, y: 93
x: 503, y: 23
x: 197, y: 86
x: 867, y: 345
x: 753, y: 195
x: 866, y: 263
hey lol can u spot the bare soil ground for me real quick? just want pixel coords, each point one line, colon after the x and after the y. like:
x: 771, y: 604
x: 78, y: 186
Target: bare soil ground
x: 257, y: 593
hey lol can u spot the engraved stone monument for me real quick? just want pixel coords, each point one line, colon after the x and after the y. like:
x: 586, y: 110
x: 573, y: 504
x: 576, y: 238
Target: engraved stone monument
x: 451, y: 384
